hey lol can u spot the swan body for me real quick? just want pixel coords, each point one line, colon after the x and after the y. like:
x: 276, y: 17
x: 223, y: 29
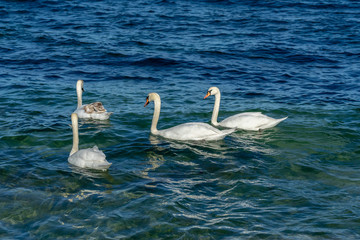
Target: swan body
x: 194, y: 131
x: 186, y: 131
x: 85, y: 158
x: 94, y: 110
x: 247, y: 121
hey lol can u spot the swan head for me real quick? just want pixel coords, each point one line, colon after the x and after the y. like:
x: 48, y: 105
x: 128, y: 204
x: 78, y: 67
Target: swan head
x: 151, y: 97
x: 80, y: 85
x: 212, y: 91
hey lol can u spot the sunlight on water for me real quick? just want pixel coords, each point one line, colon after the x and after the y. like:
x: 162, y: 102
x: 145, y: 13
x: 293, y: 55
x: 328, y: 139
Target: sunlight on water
x: 298, y: 180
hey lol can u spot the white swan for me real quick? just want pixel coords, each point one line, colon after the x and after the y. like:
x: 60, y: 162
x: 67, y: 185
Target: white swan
x: 186, y: 131
x: 247, y: 121
x: 94, y: 110
x: 85, y: 158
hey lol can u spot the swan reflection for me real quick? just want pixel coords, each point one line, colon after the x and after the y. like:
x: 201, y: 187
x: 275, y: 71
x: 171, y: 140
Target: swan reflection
x: 91, y: 173
x: 208, y: 149
x: 93, y: 124
x: 155, y: 160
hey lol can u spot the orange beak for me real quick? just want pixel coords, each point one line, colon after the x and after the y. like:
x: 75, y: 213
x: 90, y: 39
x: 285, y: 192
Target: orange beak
x: 147, y: 102
x: 208, y: 94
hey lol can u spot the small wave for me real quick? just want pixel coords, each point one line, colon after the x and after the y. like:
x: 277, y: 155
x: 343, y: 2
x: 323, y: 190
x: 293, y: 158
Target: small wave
x: 156, y: 62
x: 254, y: 94
x: 305, y: 58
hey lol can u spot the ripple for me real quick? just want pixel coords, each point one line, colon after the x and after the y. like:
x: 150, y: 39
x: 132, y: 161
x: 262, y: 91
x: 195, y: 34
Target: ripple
x: 298, y: 180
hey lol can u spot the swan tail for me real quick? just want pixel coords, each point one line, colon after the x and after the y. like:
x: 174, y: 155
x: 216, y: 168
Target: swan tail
x: 104, y: 116
x: 273, y: 123
x: 108, y: 114
x: 103, y: 166
x: 228, y: 131
x: 223, y: 134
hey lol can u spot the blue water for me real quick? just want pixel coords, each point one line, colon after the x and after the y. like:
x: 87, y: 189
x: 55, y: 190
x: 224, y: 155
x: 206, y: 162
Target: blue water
x: 299, y: 180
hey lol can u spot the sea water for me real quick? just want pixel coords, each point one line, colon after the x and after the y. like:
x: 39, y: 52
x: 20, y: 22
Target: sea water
x: 298, y: 180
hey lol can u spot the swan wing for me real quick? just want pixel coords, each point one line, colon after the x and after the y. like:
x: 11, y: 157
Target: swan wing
x: 272, y: 123
x: 96, y: 107
x: 90, y: 158
x: 250, y: 121
x: 193, y: 131
x: 90, y: 111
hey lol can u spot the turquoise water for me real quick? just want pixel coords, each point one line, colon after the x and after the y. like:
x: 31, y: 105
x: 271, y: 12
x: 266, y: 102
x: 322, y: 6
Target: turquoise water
x: 298, y: 180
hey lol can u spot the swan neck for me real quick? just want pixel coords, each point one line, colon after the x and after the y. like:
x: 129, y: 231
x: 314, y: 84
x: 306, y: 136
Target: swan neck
x: 216, y: 110
x: 75, y: 129
x: 157, y: 107
x: 79, y: 95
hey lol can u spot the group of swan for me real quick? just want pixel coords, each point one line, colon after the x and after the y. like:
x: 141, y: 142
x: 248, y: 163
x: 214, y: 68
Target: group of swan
x: 90, y: 157
x: 185, y: 131
x: 95, y: 159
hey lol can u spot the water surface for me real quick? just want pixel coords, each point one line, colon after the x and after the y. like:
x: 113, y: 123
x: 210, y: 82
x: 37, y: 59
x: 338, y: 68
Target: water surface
x: 299, y: 180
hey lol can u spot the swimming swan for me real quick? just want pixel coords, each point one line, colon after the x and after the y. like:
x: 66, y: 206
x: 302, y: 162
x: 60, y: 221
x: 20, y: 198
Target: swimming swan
x: 185, y: 131
x: 85, y: 158
x: 94, y: 110
x: 247, y: 121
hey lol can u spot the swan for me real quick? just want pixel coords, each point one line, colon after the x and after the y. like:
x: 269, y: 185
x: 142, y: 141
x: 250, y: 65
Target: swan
x: 85, y: 158
x: 94, y: 110
x: 247, y: 121
x: 185, y: 131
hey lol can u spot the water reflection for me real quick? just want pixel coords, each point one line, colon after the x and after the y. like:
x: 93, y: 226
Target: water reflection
x: 91, y: 173
x: 208, y: 149
x: 253, y: 141
x: 155, y: 160
x: 97, y: 125
x: 82, y: 194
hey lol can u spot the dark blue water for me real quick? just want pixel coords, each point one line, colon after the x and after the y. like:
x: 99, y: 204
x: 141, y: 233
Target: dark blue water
x: 299, y: 180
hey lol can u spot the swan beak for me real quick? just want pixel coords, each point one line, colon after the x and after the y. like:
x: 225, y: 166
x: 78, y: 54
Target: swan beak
x: 147, y: 102
x: 83, y: 89
x: 208, y: 94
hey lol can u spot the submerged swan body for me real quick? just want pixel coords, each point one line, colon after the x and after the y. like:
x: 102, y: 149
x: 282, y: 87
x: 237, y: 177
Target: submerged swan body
x: 85, y: 158
x: 247, y: 121
x: 186, y: 131
x: 94, y: 110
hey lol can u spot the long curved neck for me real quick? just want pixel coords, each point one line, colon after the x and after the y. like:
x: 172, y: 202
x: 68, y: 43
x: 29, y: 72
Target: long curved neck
x: 157, y: 107
x: 79, y: 94
x: 216, y: 110
x: 75, y: 129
